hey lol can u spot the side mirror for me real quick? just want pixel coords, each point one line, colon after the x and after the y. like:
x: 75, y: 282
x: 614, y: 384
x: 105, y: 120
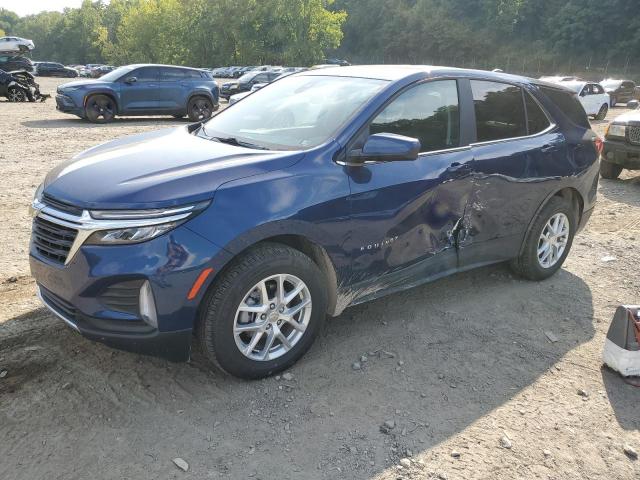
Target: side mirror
x: 130, y: 80
x: 386, y: 147
x: 633, y: 104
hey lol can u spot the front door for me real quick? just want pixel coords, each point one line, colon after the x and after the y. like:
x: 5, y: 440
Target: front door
x: 140, y: 95
x: 406, y: 214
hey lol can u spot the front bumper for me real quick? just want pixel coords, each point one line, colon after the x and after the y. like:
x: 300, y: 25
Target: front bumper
x: 622, y: 153
x: 95, y: 293
x: 66, y: 104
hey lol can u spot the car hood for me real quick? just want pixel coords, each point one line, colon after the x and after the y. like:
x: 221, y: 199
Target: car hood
x: 157, y: 169
x: 83, y: 83
x: 633, y: 116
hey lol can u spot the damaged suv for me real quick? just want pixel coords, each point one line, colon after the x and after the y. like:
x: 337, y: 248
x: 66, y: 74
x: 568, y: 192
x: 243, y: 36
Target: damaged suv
x: 323, y: 190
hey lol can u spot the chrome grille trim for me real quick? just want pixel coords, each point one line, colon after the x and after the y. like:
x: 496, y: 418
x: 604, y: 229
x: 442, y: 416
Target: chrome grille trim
x: 634, y: 134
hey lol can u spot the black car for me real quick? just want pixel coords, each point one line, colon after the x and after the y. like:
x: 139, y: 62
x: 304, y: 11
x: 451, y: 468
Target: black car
x: 14, y: 63
x: 53, y: 69
x: 246, y: 82
x: 620, y: 91
x: 621, y: 145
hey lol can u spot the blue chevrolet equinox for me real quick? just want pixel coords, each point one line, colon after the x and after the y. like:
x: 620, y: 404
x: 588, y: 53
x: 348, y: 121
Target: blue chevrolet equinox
x: 141, y: 90
x: 323, y: 190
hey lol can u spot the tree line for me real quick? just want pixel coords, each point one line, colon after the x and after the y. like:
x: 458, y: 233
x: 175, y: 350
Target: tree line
x: 510, y: 34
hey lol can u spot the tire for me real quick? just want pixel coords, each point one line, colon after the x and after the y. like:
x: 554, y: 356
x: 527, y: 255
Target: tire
x: 221, y: 312
x: 199, y: 109
x: 529, y: 264
x: 15, y: 94
x: 100, y: 109
x: 609, y: 170
x: 602, y: 113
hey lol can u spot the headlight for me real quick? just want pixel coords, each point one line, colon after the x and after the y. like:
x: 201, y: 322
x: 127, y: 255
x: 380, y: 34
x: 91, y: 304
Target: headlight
x: 37, y: 196
x: 614, y: 130
x: 135, y: 226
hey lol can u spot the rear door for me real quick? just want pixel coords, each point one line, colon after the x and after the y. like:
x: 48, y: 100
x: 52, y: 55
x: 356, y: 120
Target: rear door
x: 405, y: 213
x: 517, y: 161
x: 142, y: 95
x: 174, y: 84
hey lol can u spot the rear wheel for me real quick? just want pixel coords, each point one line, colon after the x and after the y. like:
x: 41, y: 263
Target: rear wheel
x: 548, y: 242
x: 200, y: 108
x: 100, y: 109
x: 263, y: 314
x: 602, y: 113
x: 609, y: 170
x: 15, y: 94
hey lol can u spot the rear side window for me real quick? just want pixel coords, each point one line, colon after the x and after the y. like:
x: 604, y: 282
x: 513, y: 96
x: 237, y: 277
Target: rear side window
x: 428, y: 112
x: 172, y: 74
x: 569, y: 104
x: 499, y: 111
x: 537, y: 120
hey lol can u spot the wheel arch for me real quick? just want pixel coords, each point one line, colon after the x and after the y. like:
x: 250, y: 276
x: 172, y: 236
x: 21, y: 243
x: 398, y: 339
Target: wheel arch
x: 199, y: 93
x: 106, y: 93
x: 569, y: 193
x: 298, y: 242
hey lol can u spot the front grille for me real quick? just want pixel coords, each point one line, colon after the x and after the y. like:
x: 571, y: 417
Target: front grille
x: 63, y: 307
x: 51, y: 240
x: 634, y: 134
x: 60, y: 205
x: 123, y: 297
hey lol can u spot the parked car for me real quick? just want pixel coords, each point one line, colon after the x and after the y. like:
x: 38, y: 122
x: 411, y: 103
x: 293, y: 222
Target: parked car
x: 592, y: 96
x: 620, y: 91
x: 14, y: 63
x: 321, y: 191
x: 246, y: 82
x: 560, y: 78
x: 20, y: 86
x: 54, y: 69
x: 239, y: 96
x: 621, y: 145
x: 15, y: 44
x: 141, y: 90
x: 100, y: 71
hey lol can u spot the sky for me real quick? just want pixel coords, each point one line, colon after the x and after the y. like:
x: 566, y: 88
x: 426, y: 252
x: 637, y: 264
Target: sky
x: 28, y: 7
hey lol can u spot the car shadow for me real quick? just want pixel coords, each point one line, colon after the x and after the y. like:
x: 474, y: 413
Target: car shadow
x: 117, y: 122
x: 623, y: 398
x: 625, y: 189
x: 433, y: 360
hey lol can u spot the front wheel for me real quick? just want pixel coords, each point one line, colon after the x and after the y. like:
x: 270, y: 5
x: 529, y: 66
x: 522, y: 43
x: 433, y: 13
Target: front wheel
x: 199, y: 109
x: 264, y: 312
x: 602, y: 113
x: 100, y: 109
x: 610, y: 171
x: 548, y: 242
x: 15, y: 94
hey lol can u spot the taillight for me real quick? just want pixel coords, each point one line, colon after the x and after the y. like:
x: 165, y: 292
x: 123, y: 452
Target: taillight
x: 599, y: 144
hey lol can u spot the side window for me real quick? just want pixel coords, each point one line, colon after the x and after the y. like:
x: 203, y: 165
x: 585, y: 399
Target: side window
x: 172, y: 74
x: 569, y: 104
x: 597, y: 89
x: 537, y: 120
x: 499, y: 110
x: 193, y: 74
x: 262, y: 78
x: 145, y: 74
x: 428, y: 112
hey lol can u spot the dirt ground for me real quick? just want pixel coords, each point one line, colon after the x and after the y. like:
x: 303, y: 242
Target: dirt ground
x: 453, y: 367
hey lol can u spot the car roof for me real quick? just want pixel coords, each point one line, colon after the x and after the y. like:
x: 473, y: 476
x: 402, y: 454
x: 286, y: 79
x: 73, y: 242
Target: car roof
x: 399, y: 72
x: 138, y: 65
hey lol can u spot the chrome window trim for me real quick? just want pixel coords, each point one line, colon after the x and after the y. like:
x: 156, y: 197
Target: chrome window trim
x: 511, y: 139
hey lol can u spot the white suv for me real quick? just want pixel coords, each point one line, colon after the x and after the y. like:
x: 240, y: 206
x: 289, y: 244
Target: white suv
x: 15, y: 44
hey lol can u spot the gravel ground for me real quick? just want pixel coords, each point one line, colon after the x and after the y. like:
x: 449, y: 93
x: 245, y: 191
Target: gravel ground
x: 457, y: 381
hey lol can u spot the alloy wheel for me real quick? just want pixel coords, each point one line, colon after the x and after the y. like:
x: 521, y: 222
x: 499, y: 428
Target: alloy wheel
x: 16, y: 95
x: 202, y: 109
x: 100, y: 109
x: 272, y: 317
x: 553, y: 240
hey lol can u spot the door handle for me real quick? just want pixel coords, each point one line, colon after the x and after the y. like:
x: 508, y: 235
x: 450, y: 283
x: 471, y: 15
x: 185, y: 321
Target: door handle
x: 459, y: 167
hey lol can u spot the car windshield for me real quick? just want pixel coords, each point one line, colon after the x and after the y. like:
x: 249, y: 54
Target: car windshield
x: 611, y: 83
x: 116, y: 74
x: 247, y: 77
x: 294, y: 113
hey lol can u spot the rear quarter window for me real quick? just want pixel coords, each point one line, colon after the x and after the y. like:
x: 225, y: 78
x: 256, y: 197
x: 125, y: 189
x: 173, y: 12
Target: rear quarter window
x: 569, y: 104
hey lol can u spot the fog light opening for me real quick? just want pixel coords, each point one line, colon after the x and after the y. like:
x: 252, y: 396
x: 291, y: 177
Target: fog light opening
x: 148, y: 305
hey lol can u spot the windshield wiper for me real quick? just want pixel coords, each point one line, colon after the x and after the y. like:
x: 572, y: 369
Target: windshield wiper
x: 238, y: 143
